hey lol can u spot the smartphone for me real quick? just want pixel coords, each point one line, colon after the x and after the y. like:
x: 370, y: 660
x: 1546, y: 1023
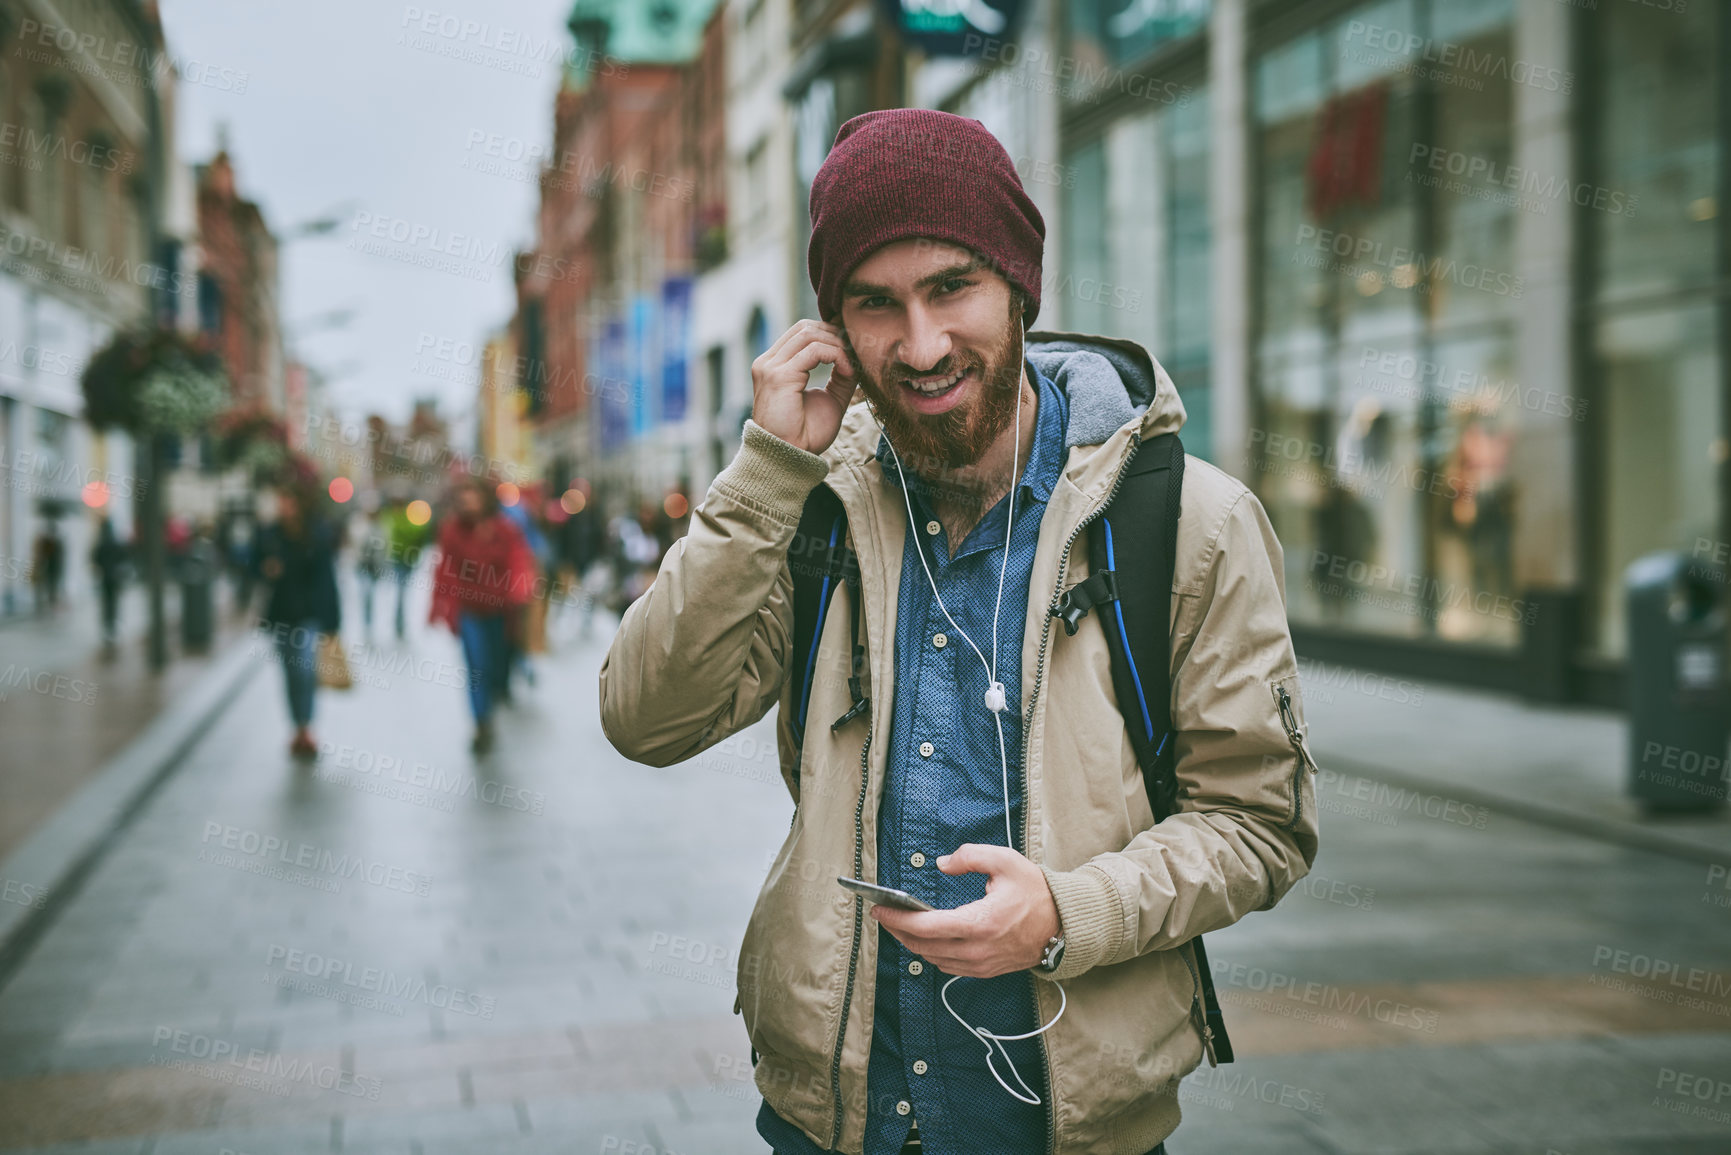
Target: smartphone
x: 884, y: 895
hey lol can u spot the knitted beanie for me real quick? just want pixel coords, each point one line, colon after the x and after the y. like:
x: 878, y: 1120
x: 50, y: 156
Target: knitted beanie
x: 913, y: 172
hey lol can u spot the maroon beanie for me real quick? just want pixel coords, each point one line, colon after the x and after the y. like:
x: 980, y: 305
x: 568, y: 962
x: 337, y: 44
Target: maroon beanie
x: 912, y: 172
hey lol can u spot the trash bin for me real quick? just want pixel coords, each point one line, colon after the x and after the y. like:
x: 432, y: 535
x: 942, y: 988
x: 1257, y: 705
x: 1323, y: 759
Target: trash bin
x: 1679, y: 705
x: 197, y: 609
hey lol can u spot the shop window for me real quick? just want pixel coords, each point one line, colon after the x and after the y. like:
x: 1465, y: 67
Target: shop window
x: 1384, y: 423
x: 1136, y: 246
x: 1107, y: 35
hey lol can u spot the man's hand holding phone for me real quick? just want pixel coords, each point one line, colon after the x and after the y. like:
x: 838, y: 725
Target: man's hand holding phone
x: 780, y: 400
x: 1003, y: 932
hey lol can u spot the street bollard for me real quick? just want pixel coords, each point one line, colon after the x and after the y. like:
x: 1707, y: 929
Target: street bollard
x: 1679, y: 707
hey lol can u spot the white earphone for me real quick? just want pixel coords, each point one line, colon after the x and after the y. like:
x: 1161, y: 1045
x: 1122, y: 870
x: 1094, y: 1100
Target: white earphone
x: 996, y: 702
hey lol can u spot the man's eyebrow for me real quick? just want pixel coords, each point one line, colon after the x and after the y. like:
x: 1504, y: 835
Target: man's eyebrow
x: 867, y: 289
x: 950, y: 273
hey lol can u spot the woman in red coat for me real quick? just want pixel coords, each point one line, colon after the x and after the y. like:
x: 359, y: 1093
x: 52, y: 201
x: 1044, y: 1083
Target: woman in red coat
x: 485, y: 570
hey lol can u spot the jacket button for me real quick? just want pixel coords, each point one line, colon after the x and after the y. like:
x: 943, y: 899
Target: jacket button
x: 917, y: 859
x: 926, y: 749
x: 903, y: 1107
x: 916, y: 967
x: 932, y: 528
x: 920, y: 1066
x: 940, y: 641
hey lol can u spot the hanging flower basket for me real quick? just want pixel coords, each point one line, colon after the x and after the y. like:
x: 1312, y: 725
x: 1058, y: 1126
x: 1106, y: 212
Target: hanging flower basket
x: 154, y: 381
x: 254, y: 439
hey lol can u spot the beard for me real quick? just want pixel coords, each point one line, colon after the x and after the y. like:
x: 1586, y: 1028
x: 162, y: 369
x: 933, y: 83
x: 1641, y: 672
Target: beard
x: 959, y: 436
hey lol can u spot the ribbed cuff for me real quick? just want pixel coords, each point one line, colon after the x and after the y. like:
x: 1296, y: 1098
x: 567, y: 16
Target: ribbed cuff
x: 1090, y: 918
x: 771, y: 475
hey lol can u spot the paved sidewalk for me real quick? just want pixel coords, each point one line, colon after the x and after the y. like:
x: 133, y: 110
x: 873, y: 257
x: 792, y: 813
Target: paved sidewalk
x: 408, y: 951
x: 66, y: 708
x: 1561, y: 766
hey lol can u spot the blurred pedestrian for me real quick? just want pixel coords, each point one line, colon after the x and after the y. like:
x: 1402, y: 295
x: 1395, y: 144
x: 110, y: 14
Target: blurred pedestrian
x: 47, y: 566
x: 520, y: 622
x: 108, y: 558
x: 370, y: 566
x: 484, y: 571
x: 404, y: 541
x: 295, y: 555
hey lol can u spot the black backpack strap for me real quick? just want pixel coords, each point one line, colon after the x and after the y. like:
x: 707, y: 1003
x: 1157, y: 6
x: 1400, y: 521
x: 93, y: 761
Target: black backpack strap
x: 1132, y: 553
x: 820, y: 561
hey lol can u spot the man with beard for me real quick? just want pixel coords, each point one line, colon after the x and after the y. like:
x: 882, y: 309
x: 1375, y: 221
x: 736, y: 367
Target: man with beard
x: 1051, y: 1000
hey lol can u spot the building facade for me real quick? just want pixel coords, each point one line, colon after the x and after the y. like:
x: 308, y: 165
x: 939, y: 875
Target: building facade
x: 1442, y: 281
x: 84, y: 158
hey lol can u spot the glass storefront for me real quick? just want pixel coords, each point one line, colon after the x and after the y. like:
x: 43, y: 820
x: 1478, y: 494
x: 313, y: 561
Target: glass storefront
x: 1655, y: 326
x: 1384, y: 422
x: 1136, y: 251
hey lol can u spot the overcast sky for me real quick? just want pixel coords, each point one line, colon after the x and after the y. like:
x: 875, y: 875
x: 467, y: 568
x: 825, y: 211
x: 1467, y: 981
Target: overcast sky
x: 354, y: 106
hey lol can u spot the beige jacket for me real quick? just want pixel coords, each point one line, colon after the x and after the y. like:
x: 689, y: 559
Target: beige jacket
x: 705, y: 653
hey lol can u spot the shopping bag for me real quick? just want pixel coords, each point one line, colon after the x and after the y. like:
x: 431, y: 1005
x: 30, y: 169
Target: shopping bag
x: 333, y: 664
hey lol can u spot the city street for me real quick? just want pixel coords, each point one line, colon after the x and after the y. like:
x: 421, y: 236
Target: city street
x: 404, y: 949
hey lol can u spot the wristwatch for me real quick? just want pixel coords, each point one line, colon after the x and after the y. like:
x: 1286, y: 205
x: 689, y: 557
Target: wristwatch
x: 1054, y: 956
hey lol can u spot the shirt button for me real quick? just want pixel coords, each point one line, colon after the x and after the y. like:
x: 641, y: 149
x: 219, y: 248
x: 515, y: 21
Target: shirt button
x: 916, y: 967
x: 940, y: 641
x: 932, y: 528
x: 903, y: 1107
x: 917, y: 858
x: 919, y: 1066
x: 926, y: 749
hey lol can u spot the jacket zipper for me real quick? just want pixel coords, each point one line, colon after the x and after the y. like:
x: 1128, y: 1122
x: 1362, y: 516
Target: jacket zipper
x: 1294, y: 735
x: 858, y: 924
x: 1197, y: 1015
x: 1028, y: 729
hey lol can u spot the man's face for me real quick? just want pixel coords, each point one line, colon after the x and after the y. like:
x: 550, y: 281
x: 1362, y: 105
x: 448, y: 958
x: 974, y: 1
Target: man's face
x: 469, y: 504
x: 936, y: 341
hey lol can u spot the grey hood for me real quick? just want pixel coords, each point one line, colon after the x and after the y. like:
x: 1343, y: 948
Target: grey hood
x: 1109, y: 382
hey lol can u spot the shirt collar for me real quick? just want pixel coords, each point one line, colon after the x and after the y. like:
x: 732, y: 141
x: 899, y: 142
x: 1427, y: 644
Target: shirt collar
x: 1045, y: 459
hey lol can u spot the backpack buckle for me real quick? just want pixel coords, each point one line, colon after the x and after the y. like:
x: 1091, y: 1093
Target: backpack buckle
x: 1075, y: 602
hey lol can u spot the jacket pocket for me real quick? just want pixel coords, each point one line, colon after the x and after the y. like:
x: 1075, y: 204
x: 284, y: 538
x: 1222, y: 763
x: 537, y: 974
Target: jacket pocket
x: 1289, y: 706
